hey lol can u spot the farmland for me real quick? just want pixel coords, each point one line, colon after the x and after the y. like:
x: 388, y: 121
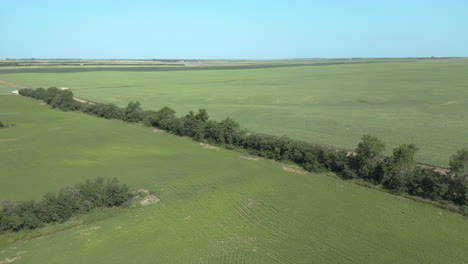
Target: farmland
x: 215, y: 207
x: 326, y: 102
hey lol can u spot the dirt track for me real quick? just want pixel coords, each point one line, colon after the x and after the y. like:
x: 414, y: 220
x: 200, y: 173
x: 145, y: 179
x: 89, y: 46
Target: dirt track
x: 13, y: 84
x: 81, y: 100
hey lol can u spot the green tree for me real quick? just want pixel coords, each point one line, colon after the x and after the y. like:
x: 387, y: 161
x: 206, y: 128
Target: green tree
x: 41, y: 94
x: 459, y: 184
x: 370, y: 158
x: 370, y: 147
x: 202, y: 115
x: 404, y: 155
x: 459, y: 163
x: 401, y: 168
x: 133, y: 112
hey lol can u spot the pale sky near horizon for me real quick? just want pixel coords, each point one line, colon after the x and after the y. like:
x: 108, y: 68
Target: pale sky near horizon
x: 243, y: 29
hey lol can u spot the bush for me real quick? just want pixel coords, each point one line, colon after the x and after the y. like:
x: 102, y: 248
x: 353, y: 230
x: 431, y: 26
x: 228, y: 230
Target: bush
x: 68, y: 202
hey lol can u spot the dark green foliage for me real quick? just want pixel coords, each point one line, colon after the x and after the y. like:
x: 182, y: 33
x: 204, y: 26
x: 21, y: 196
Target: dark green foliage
x: 459, y: 185
x: 41, y: 94
x: 368, y: 162
x: 3, y: 125
x: 68, y: 202
x: 109, y: 111
x: 133, y: 112
x: 400, y: 168
x: 159, y: 118
x: 370, y: 147
x: 459, y: 163
x: 53, y: 96
x: 398, y: 173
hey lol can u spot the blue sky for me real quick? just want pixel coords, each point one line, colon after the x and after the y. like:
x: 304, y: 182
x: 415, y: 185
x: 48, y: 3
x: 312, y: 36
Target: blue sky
x: 250, y: 29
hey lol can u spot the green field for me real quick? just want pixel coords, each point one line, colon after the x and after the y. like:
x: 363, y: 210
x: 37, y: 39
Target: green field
x: 215, y: 207
x: 328, y: 102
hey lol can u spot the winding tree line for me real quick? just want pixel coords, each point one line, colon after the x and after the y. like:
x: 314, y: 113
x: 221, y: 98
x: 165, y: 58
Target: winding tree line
x: 399, y: 173
x: 59, y: 207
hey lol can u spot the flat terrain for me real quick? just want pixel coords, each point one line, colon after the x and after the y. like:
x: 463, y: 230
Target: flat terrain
x: 215, y: 206
x: 328, y: 102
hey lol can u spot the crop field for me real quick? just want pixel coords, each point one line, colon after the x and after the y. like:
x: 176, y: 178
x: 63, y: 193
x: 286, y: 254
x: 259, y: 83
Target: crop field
x: 327, y: 102
x: 216, y: 207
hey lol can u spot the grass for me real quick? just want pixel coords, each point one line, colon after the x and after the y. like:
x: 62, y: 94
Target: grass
x: 402, y: 101
x: 215, y: 207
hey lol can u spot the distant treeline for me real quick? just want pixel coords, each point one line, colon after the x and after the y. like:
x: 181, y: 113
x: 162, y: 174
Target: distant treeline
x: 398, y: 173
x: 172, y: 67
x: 70, y: 201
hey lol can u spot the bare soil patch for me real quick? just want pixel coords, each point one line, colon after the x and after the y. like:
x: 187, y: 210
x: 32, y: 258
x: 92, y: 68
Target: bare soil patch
x: 87, y: 231
x: 158, y: 130
x: 9, y: 260
x: 250, y: 158
x: 293, y: 169
x: 443, y: 171
x: 146, y: 197
x: 208, y: 146
x: 85, y: 101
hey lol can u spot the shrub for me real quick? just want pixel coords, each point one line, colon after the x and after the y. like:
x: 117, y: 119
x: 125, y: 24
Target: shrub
x: 68, y: 202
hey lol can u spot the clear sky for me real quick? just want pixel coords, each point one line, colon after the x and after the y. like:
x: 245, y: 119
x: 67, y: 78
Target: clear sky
x: 237, y: 29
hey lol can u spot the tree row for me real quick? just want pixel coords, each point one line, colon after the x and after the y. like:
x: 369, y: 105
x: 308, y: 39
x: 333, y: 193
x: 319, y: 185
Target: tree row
x: 61, y: 206
x: 399, y: 173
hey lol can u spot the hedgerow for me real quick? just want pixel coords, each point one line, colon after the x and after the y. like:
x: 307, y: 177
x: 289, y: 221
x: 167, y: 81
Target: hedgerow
x: 61, y: 206
x: 398, y: 173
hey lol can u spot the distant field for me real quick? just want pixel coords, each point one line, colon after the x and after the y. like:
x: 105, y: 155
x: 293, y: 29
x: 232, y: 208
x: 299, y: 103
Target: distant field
x: 215, y: 207
x: 328, y: 102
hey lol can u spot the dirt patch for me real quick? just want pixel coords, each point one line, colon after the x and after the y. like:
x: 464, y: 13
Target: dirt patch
x: 81, y: 100
x: 63, y: 88
x: 208, y: 146
x: 158, y: 130
x: 187, y: 218
x: 39, y: 237
x: 13, y: 84
x: 146, y: 197
x: 250, y: 203
x: 250, y: 158
x: 9, y: 260
x: 87, y: 231
x: 293, y: 169
x: 94, y: 228
x: 442, y: 171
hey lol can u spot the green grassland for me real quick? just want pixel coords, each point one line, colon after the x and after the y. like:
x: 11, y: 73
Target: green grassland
x: 328, y: 102
x: 215, y: 207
